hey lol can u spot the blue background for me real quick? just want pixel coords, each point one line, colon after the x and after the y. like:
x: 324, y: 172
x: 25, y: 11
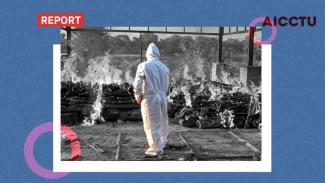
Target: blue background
x: 298, y: 130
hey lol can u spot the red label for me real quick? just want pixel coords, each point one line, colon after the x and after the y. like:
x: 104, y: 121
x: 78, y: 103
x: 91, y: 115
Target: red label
x: 60, y: 19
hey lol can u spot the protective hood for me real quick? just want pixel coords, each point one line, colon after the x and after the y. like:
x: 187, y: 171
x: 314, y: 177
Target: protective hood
x: 152, y: 52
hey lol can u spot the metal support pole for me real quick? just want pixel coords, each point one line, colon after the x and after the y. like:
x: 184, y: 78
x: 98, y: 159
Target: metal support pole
x: 251, y: 46
x: 141, y: 46
x: 220, y: 44
x: 68, y: 29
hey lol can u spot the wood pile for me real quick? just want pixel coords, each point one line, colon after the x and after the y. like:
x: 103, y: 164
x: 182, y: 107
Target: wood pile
x: 76, y: 102
x: 228, y: 110
x: 119, y: 103
x: 117, y: 100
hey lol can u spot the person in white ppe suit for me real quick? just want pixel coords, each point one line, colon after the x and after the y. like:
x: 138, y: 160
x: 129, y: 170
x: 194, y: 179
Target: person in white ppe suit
x: 150, y: 88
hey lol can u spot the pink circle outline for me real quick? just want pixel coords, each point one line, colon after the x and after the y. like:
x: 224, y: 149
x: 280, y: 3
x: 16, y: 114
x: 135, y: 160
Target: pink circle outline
x: 273, y: 34
x: 29, y: 152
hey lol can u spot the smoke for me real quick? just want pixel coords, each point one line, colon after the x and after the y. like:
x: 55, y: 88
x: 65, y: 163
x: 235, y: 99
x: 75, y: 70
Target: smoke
x: 128, y: 77
x: 225, y: 74
x: 199, y: 65
x: 194, y: 63
x: 186, y: 73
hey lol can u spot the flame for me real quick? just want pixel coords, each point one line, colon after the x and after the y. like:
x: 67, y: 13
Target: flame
x: 187, y: 95
x: 101, y: 70
x: 216, y: 92
x: 224, y: 75
x: 227, y: 119
x: 172, y: 94
x: 96, y: 110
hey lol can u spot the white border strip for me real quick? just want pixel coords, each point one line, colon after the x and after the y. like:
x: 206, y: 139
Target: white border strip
x: 56, y: 106
x: 167, y: 166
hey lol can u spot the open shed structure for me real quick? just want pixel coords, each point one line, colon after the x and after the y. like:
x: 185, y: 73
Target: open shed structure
x: 251, y: 73
x: 208, y: 31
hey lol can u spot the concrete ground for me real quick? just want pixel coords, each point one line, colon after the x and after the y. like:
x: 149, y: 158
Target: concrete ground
x: 127, y: 142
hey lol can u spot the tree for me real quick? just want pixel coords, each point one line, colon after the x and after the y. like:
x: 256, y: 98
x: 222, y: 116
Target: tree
x: 172, y: 44
x: 89, y: 44
x: 232, y: 49
x: 148, y: 38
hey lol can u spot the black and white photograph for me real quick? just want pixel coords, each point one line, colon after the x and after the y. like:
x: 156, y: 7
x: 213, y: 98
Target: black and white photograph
x: 161, y: 93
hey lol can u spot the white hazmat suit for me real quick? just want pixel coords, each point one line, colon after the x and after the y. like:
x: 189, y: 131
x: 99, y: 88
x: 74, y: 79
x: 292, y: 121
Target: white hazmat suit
x: 151, y: 84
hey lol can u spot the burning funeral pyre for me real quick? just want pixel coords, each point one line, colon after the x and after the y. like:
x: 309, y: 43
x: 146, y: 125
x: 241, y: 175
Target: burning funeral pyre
x: 81, y: 102
x: 210, y: 104
x: 200, y: 104
x: 97, y: 91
